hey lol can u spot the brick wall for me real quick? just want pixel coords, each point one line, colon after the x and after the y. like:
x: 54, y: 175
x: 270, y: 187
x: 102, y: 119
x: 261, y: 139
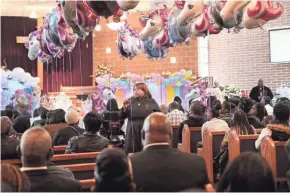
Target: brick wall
x: 186, y: 56
x: 243, y: 58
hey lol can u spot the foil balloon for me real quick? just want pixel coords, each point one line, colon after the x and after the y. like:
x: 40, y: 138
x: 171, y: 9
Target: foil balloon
x: 232, y: 12
x: 128, y: 42
x: 153, y: 23
x: 33, y: 45
x: 79, y: 17
x: 190, y: 11
x: 177, y: 33
x: 86, y: 17
x: 37, y: 47
x: 202, y: 25
x: 104, y: 8
x: 71, y: 16
x: 50, y: 36
x: 271, y: 12
x: 21, y: 100
x: 55, y: 51
x: 258, y: 12
x: 127, y: 4
x: 50, y: 22
x: 44, y: 54
x: 154, y: 52
x: 66, y: 36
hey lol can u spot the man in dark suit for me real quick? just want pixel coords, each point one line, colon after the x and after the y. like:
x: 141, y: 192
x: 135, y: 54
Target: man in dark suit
x: 160, y: 168
x: 36, y: 150
x: 260, y: 91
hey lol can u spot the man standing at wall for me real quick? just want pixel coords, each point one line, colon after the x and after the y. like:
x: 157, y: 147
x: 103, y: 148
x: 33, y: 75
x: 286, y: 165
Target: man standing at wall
x: 260, y: 91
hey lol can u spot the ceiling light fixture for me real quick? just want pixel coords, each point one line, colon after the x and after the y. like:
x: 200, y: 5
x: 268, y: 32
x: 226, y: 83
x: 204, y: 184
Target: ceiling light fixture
x: 33, y: 15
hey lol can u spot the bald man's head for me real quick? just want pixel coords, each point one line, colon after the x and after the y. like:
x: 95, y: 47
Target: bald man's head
x: 36, y: 146
x: 156, y: 129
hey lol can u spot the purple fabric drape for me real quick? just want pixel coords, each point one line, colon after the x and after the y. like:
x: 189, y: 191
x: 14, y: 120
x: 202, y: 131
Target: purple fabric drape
x: 15, y: 53
x: 73, y: 69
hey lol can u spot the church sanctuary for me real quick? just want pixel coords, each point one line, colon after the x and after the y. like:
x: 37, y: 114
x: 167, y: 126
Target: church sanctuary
x: 145, y: 95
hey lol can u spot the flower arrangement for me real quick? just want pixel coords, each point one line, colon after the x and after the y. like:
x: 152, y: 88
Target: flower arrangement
x: 232, y: 90
x: 103, y: 69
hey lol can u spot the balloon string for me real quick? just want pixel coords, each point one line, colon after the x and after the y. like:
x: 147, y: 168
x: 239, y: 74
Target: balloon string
x: 47, y: 89
x: 52, y: 78
x: 63, y: 76
x: 80, y: 54
x: 159, y: 44
x: 70, y: 70
x: 56, y: 72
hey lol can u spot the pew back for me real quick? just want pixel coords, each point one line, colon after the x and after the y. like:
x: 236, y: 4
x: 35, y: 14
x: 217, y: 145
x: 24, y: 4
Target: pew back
x: 81, y: 171
x: 174, y: 134
x: 275, y: 155
x: 211, y: 148
x: 87, y: 184
x: 64, y: 159
x: 190, y: 137
x: 240, y: 143
x: 59, y: 149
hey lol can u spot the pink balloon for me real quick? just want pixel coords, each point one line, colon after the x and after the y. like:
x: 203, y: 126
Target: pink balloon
x: 106, y: 76
x: 102, y: 81
x: 178, y: 74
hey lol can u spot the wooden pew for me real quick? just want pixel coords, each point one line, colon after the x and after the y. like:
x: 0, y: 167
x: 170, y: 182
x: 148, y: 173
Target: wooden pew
x: 87, y: 184
x: 175, y: 136
x: 190, y: 137
x: 64, y: 159
x: 275, y: 154
x: 59, y: 149
x: 81, y: 171
x: 240, y: 143
x: 258, y: 131
x: 211, y: 148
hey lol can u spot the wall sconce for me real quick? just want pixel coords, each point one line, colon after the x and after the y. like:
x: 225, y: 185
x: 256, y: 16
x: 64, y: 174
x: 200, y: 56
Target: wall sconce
x: 108, y: 50
x: 172, y: 60
x: 98, y: 27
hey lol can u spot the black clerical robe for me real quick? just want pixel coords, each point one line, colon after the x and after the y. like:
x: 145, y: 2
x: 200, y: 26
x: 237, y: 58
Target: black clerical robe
x: 257, y: 91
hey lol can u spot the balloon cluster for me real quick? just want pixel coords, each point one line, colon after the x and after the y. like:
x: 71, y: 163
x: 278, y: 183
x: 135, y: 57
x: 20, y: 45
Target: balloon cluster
x: 183, y: 77
x: 163, y: 29
x: 19, y: 88
x: 70, y: 21
x: 19, y: 76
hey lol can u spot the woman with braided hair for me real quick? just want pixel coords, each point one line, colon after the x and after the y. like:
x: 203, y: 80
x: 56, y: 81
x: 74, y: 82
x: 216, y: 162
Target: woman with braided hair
x: 13, y: 180
x: 246, y: 105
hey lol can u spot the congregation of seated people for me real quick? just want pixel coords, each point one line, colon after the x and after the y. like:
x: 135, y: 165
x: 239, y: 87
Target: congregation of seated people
x: 155, y: 165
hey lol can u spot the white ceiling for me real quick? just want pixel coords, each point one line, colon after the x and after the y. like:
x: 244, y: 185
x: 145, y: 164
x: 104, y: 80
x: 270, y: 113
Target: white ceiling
x: 41, y: 7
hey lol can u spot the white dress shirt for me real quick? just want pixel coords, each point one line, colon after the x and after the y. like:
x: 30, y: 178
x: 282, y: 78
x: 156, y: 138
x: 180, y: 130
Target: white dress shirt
x: 214, y: 124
